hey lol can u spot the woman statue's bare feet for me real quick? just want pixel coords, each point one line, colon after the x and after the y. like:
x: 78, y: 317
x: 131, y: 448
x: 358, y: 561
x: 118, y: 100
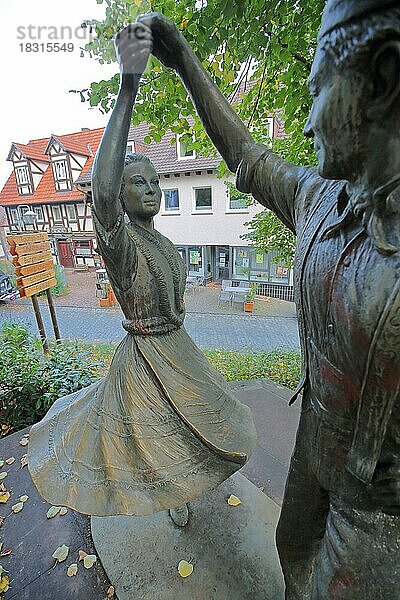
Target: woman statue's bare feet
x: 180, y: 515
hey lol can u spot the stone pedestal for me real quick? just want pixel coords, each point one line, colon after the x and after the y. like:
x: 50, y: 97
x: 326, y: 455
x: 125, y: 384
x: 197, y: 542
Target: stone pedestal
x: 232, y: 549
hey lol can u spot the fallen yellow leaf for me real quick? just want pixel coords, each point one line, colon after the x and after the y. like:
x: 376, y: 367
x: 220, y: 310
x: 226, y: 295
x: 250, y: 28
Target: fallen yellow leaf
x: 24, y: 460
x: 53, y: 511
x: 23, y: 498
x: 4, y: 583
x: 16, y: 508
x: 10, y: 460
x: 89, y: 561
x: 82, y: 554
x: 3, y: 475
x: 111, y: 592
x: 1, y: 463
x: 234, y: 500
x: 72, y: 570
x: 63, y: 511
x: 4, y: 497
x: 23, y: 441
x: 61, y: 553
x: 185, y: 568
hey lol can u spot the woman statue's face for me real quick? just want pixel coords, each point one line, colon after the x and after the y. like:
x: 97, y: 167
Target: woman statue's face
x: 142, y: 193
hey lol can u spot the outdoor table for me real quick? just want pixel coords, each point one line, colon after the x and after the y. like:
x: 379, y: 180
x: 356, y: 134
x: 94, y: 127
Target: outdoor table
x: 235, y: 288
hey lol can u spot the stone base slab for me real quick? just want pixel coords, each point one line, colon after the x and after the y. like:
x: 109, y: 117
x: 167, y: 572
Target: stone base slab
x: 232, y: 549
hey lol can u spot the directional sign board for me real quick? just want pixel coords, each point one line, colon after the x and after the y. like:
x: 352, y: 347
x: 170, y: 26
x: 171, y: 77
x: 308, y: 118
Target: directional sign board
x: 32, y: 259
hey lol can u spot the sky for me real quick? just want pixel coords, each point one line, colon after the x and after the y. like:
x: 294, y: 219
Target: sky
x: 34, y: 98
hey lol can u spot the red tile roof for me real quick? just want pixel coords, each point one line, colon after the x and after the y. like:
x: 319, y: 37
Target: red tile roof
x: 34, y: 152
x: 45, y: 192
x: 70, y: 144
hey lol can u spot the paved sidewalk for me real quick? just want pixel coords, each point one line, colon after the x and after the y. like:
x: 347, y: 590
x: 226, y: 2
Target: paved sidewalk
x: 224, y: 332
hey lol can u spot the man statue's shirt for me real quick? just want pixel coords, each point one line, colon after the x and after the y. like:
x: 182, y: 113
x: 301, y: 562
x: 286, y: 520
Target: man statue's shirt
x: 343, y: 285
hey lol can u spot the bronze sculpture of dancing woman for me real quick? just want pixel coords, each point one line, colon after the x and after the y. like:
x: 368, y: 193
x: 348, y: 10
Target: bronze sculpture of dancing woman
x: 162, y: 427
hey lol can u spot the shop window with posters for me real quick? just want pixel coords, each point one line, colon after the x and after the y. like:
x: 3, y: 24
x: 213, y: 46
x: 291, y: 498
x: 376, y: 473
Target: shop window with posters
x: 241, y: 263
x: 259, y: 263
x: 196, y: 261
x: 249, y: 263
x: 278, y: 273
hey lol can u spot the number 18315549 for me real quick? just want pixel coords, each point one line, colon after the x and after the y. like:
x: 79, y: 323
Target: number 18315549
x: 46, y: 47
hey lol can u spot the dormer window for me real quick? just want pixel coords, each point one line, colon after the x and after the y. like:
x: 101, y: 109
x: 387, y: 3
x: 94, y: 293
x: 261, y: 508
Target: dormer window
x: 24, y: 180
x: 184, y: 149
x: 62, y: 176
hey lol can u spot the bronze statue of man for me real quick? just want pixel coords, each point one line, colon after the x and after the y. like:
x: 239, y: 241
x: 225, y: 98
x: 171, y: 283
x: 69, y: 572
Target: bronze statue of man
x: 339, y: 530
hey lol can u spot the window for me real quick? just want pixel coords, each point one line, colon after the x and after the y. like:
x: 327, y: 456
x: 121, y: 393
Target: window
x: 56, y: 210
x: 129, y: 148
x: 71, y: 212
x: 202, y: 199
x: 22, y: 175
x: 24, y: 182
x: 14, y: 216
x: 195, y: 260
x: 270, y: 128
x: 184, y: 149
x: 236, y: 200
x: 60, y: 169
x: 171, y: 200
x: 22, y: 209
x: 241, y: 263
x: 61, y: 174
x: 249, y: 263
x: 39, y: 214
x: 83, y: 248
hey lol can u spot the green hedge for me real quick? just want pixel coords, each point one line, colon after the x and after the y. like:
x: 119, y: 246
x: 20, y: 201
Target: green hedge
x: 30, y: 382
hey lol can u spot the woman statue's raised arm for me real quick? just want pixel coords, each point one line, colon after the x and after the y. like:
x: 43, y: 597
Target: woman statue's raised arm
x: 133, y: 46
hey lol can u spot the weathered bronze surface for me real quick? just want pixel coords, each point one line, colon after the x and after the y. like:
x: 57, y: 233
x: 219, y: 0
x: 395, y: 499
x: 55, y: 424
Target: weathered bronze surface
x: 339, y: 531
x: 163, y: 427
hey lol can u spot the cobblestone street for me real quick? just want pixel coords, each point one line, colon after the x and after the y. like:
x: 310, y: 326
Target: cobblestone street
x: 222, y: 331
x: 272, y: 325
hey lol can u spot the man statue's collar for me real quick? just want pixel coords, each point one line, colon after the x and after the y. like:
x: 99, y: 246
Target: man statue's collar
x: 375, y: 210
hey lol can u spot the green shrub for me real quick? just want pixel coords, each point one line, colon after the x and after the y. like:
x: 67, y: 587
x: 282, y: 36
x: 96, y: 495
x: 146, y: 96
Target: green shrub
x: 30, y: 382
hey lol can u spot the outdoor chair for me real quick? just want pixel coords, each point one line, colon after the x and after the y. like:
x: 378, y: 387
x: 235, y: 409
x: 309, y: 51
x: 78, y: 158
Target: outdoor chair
x: 224, y: 297
x: 226, y: 283
x: 244, y: 284
x: 199, y: 280
x: 190, y: 285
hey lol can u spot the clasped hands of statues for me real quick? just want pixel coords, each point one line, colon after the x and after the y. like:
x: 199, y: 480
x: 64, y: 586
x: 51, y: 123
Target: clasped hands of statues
x: 151, y: 33
x: 154, y: 33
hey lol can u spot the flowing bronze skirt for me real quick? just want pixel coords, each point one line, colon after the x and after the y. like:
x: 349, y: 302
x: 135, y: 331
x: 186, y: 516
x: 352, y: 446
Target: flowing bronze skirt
x: 160, y: 430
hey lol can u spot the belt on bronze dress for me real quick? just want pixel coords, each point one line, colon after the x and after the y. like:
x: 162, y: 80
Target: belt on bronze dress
x: 149, y: 327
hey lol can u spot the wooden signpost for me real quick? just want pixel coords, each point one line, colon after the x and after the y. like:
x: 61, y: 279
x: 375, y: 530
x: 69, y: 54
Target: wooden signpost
x: 34, y: 269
